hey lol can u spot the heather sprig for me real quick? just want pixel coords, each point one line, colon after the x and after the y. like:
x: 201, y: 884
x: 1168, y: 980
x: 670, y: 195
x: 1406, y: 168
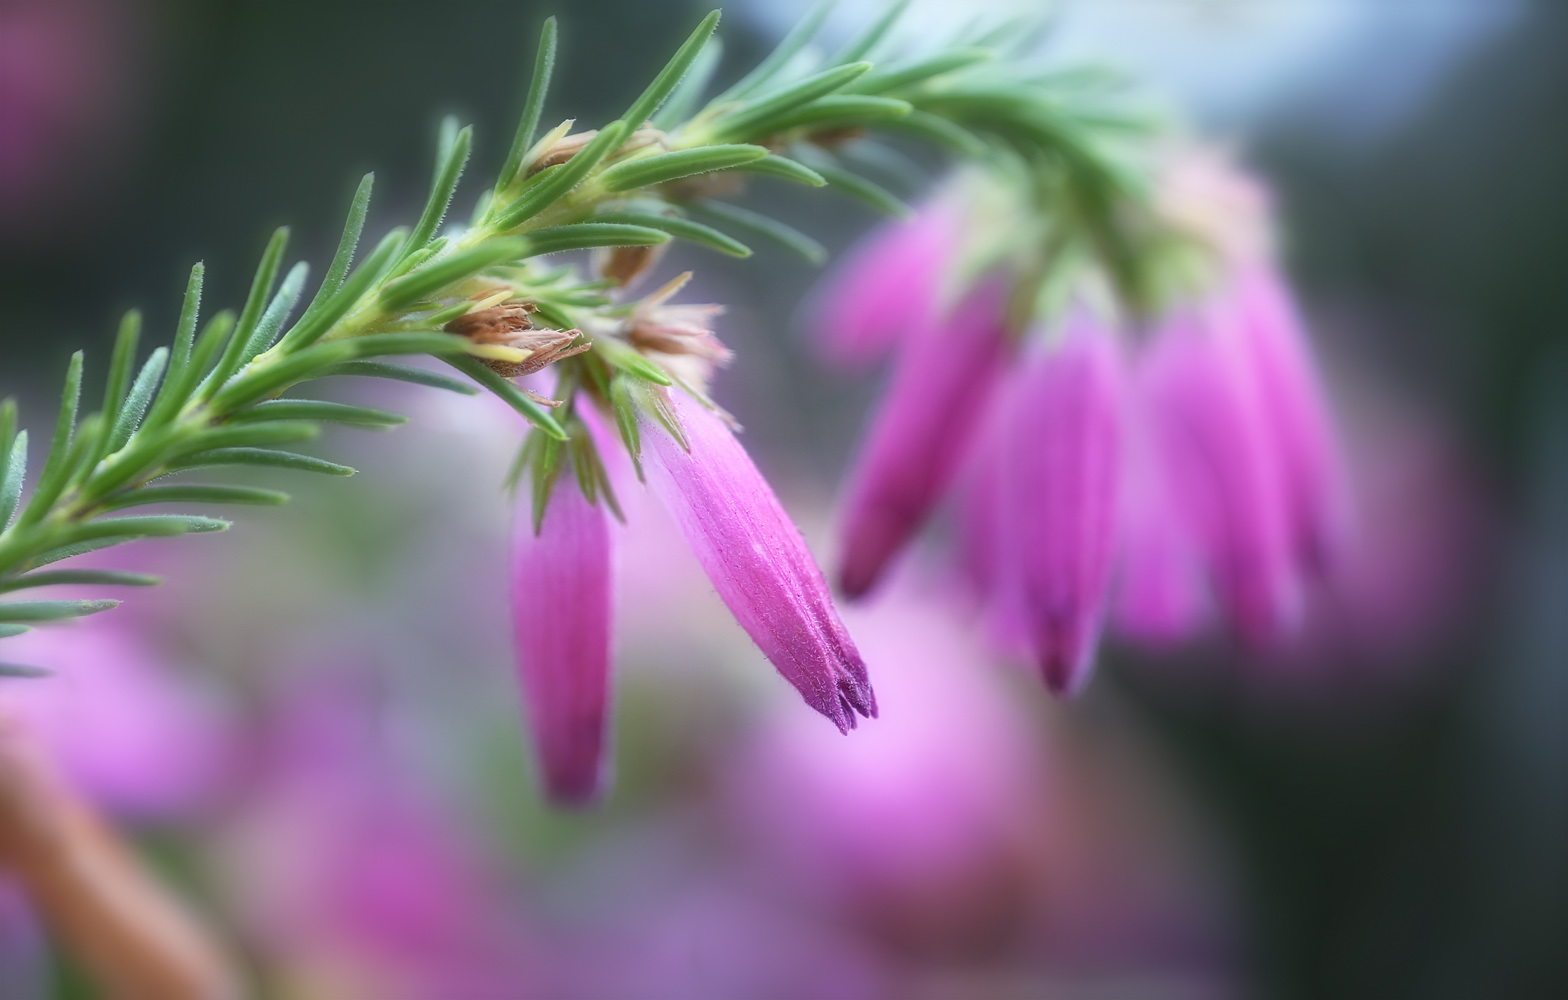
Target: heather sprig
x: 481, y: 297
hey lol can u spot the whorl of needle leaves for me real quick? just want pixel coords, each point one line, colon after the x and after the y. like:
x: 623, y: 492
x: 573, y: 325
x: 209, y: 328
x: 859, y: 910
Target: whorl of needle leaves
x: 214, y: 396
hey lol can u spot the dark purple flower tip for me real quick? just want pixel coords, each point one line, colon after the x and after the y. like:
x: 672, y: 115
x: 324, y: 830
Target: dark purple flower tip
x: 1058, y: 496
x: 757, y: 560
x: 561, y: 608
x: 1065, y: 648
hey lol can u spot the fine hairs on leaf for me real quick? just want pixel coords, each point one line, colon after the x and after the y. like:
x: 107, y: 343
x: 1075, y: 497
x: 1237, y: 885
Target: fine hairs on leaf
x: 338, y: 269
x: 485, y: 300
x: 673, y: 72
x: 533, y: 107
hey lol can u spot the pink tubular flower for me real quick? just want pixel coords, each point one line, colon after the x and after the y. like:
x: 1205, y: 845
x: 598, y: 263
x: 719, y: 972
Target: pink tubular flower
x: 1159, y: 597
x: 1225, y: 472
x: 889, y: 284
x: 1294, y: 409
x: 561, y: 617
x: 1057, y: 494
x: 756, y: 559
x: 946, y: 373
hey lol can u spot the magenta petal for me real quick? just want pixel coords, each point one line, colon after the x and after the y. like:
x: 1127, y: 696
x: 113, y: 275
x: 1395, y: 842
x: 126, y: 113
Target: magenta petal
x: 1298, y: 416
x: 757, y: 560
x: 889, y: 283
x: 1160, y: 596
x: 1226, y: 474
x: 1058, y: 488
x: 561, y: 587
x: 944, y: 379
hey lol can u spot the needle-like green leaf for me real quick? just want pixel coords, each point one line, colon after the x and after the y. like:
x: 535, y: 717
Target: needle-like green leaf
x: 432, y: 277
x: 185, y: 329
x: 268, y: 457
x: 759, y: 118
x: 769, y: 228
x: 861, y: 45
x: 198, y: 494
x: 790, y: 170
x: 12, y: 470
x: 277, y: 311
x: 671, y: 75
x: 59, y: 577
x: 865, y: 191
x: 533, y: 107
x: 510, y: 394
x: 249, y: 436
x: 57, y: 467
x: 317, y: 409
x: 401, y: 373
x: 842, y: 111
x: 364, y: 278
x: 449, y: 168
x: 537, y: 197
x: 690, y: 90
x: 685, y: 229
x: 51, y: 611
x: 338, y: 269
x: 665, y: 167
x: 583, y: 235
x: 260, y: 289
x: 796, y: 39
x: 130, y: 416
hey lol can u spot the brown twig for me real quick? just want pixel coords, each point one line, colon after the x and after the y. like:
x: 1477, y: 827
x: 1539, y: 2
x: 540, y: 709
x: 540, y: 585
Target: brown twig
x: 92, y: 893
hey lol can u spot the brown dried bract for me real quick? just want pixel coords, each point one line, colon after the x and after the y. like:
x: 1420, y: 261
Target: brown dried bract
x: 562, y: 150
x: 569, y: 146
x: 624, y: 265
x: 510, y: 325
x: 655, y: 325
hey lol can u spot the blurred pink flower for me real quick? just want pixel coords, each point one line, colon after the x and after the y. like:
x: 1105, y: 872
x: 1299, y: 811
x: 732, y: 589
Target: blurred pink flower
x: 961, y: 833
x: 929, y: 791
x: 1224, y: 474
x: 66, y: 79
x: 1410, y: 579
x: 887, y: 287
x: 1207, y: 474
x: 348, y: 875
x: 1060, y: 458
x: 561, y: 596
x: 1161, y: 596
x: 129, y: 732
x: 1274, y: 343
x: 756, y: 559
x: 946, y: 372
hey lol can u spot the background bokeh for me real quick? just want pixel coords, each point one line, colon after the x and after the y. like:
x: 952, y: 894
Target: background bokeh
x: 1382, y: 812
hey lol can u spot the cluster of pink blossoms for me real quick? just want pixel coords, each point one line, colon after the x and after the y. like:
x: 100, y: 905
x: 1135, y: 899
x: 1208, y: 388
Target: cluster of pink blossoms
x: 758, y: 562
x: 1144, y: 475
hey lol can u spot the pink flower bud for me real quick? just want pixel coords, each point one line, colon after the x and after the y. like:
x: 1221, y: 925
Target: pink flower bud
x: 945, y: 376
x: 561, y: 619
x: 1160, y: 594
x: 1296, y: 413
x: 756, y: 559
x: 1060, y: 464
x: 889, y: 284
x: 1225, y: 473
